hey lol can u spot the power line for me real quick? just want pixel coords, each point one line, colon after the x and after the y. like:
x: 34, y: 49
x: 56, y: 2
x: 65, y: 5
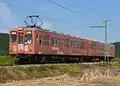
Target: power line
x: 73, y: 11
x: 17, y: 8
x: 26, y: 10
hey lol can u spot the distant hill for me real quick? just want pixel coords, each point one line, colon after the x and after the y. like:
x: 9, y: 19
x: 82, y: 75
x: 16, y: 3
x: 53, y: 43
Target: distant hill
x: 4, y: 40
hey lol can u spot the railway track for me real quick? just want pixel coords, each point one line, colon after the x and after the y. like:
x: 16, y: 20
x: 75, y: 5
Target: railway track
x: 53, y: 64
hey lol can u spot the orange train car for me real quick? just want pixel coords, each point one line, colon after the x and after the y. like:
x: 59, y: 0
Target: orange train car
x: 25, y: 42
x: 34, y: 44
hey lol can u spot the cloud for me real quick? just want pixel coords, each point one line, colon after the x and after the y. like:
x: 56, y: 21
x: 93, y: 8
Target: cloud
x: 5, y: 13
x: 6, y: 17
x: 47, y: 25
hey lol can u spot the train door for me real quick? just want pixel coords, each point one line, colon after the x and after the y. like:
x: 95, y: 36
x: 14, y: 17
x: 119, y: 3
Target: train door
x: 88, y: 47
x: 20, y: 42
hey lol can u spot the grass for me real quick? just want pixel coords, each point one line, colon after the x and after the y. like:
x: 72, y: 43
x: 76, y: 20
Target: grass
x: 86, y: 73
x: 115, y: 64
x: 101, y: 77
x: 89, y: 73
x: 8, y: 74
x: 4, y: 60
x: 89, y: 77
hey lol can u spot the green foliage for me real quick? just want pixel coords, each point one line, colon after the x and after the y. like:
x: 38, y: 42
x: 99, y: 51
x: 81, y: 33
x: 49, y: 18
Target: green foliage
x: 116, y: 60
x: 7, y: 60
x: 4, y: 42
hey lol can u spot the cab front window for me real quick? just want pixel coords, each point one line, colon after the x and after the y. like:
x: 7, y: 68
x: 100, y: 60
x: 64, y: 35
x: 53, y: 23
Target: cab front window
x: 13, y: 36
x: 28, y: 37
x: 20, y: 38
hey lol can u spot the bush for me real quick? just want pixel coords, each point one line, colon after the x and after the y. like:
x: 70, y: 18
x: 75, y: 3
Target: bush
x: 116, y: 60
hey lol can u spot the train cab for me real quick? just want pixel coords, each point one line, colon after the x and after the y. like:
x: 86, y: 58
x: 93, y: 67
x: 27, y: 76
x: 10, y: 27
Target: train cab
x: 21, y: 41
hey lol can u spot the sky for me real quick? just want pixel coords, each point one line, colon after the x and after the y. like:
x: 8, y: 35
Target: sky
x: 61, y: 20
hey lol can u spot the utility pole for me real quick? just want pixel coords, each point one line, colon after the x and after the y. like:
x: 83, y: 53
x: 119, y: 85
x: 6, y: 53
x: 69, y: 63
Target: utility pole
x: 105, y: 26
x: 106, y: 40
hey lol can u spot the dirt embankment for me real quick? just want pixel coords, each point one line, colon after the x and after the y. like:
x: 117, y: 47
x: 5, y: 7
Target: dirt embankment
x: 57, y: 75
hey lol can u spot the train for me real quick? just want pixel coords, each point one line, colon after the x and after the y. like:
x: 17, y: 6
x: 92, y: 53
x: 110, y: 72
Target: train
x: 33, y: 44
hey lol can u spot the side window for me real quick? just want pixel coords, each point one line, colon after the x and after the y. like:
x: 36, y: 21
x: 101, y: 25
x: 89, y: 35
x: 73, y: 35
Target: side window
x: 78, y: 45
x: 55, y: 41
x: 82, y: 44
x: 99, y: 47
x: 72, y: 44
x: 58, y: 42
x: 45, y: 40
x: 102, y: 47
x: 40, y: 39
x: 62, y: 40
x: 13, y: 36
x: 66, y: 42
x: 52, y: 41
x: 93, y: 46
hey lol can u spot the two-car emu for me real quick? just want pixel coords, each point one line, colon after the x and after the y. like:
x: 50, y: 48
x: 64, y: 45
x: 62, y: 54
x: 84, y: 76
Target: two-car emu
x: 35, y: 45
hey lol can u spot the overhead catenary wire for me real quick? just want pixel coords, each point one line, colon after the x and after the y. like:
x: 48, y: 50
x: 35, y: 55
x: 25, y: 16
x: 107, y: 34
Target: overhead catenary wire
x: 73, y: 11
x: 62, y: 6
x: 19, y: 8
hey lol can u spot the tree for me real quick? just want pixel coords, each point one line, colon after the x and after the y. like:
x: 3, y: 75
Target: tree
x: 4, y: 42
